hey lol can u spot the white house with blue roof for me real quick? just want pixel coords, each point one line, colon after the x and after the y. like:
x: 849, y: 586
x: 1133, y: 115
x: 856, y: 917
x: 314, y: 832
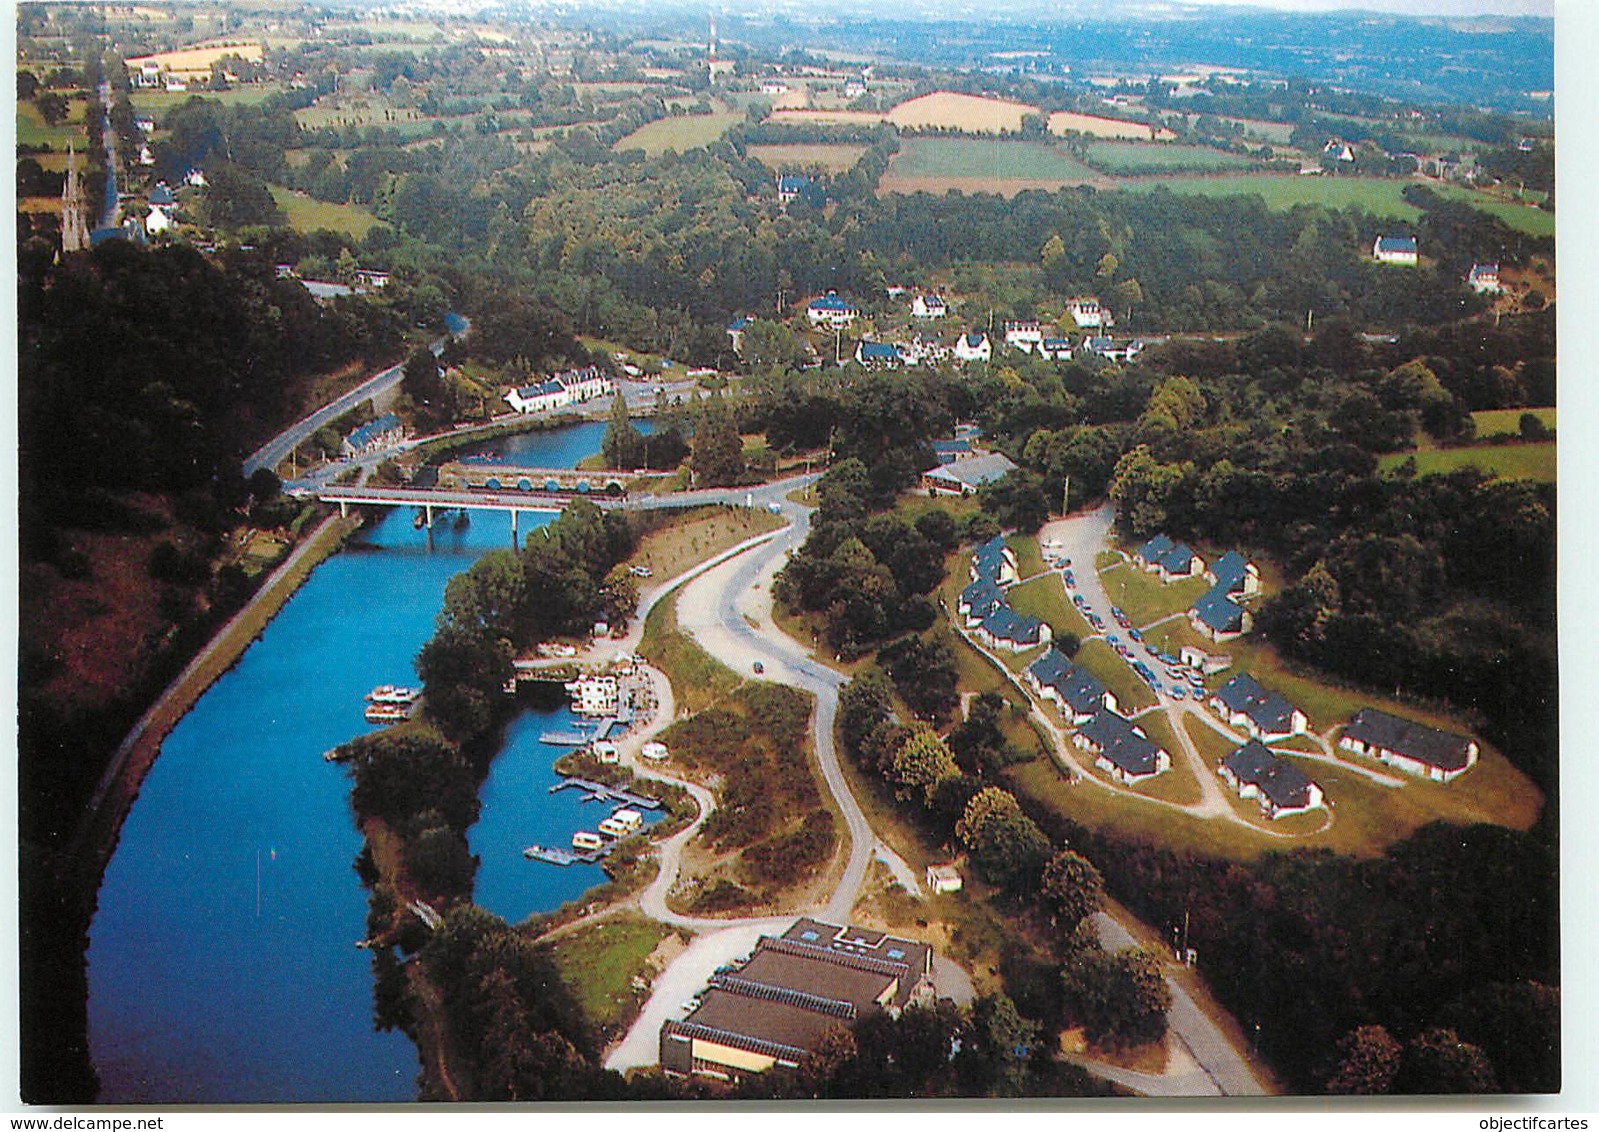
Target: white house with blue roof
x: 1235, y: 573
x: 791, y: 185
x: 1004, y: 628
x: 1121, y: 749
x: 735, y: 332
x: 1217, y: 617
x: 1245, y: 704
x: 539, y: 397
x: 1277, y: 785
x: 978, y: 600
x: 878, y: 355
x: 995, y: 561
x: 1399, y: 250
x: 973, y: 346
x: 1074, y: 690
x: 830, y: 310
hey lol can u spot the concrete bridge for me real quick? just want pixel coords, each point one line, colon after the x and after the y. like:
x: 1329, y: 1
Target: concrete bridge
x: 430, y: 500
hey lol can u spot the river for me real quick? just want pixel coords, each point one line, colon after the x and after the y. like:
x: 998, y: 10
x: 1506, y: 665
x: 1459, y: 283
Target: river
x: 221, y: 962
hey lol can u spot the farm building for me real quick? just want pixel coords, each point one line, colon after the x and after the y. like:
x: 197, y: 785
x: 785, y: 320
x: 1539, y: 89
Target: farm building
x: 778, y: 1005
x: 1262, y: 714
x: 1411, y: 747
x: 1276, y: 784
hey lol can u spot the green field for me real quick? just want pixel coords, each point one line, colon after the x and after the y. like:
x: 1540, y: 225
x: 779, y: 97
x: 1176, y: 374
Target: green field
x: 308, y: 215
x: 986, y: 158
x: 154, y: 104
x: 1130, y: 158
x: 1503, y: 461
x: 1507, y: 422
x: 680, y: 134
x: 1374, y: 194
x: 31, y: 128
x: 1519, y: 217
x: 1145, y: 598
x: 1045, y: 599
x: 598, y: 964
x: 1106, y: 665
x: 838, y: 158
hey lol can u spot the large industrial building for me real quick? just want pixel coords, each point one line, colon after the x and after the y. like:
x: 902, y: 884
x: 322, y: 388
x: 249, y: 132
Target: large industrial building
x: 776, y: 1006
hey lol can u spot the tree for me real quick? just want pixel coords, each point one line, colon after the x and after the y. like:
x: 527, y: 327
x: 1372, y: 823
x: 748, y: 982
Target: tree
x: 1017, y: 500
x: 421, y: 380
x: 1119, y: 999
x: 236, y: 198
x: 717, y: 453
x: 622, y: 444
x: 1070, y: 890
x: 863, y: 703
x: 52, y: 107
x: 1437, y: 1062
x: 1368, y: 1060
x: 921, y: 764
x: 1004, y: 843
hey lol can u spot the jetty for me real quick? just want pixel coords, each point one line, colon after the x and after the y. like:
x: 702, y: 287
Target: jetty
x: 599, y: 792
x: 585, y: 734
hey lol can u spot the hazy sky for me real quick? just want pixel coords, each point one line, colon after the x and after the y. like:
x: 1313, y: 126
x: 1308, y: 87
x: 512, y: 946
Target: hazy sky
x: 1408, y: 7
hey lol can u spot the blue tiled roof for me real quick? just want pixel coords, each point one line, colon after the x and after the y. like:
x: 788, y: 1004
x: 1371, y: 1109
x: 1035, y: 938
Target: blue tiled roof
x: 528, y: 392
x: 879, y: 352
x: 1050, y: 668
x: 1396, y: 243
x: 1230, y: 570
x: 1437, y: 748
x: 1118, y: 741
x: 160, y: 195
x: 1178, y: 559
x: 830, y: 302
x: 1278, y: 779
x: 792, y: 183
x: 1219, y: 612
x: 739, y: 323
x: 373, y: 429
x: 982, y: 593
x: 974, y: 341
x: 1269, y: 711
x: 1154, y: 550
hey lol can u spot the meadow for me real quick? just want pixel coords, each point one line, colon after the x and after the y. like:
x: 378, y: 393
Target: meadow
x: 307, y: 214
x: 1503, y: 461
x: 1064, y: 121
x: 1132, y: 159
x: 1507, y: 422
x: 981, y: 164
x: 1376, y: 195
x: 965, y: 112
x: 32, y: 130
x: 680, y: 134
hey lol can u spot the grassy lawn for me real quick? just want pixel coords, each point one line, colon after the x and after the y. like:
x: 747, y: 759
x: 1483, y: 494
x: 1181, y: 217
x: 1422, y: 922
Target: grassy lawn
x: 681, y: 134
x: 153, y: 104
x: 1029, y: 560
x: 1145, y: 598
x: 670, y: 550
x: 1106, y: 664
x: 1131, y: 158
x: 1212, y: 744
x: 698, y: 679
x: 990, y: 159
x: 1520, y: 217
x: 1106, y: 559
x: 32, y: 130
x: 1177, y: 784
x: 598, y: 964
x: 1497, y: 422
x: 309, y: 215
x: 1045, y: 599
x: 1173, y: 635
x: 1503, y: 461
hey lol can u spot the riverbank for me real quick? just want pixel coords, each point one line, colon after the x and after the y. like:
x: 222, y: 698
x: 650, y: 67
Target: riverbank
x: 97, y: 834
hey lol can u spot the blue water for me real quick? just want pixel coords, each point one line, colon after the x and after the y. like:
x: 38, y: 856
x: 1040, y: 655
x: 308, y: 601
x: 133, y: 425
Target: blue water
x: 221, y: 960
x: 519, y: 810
x: 555, y: 448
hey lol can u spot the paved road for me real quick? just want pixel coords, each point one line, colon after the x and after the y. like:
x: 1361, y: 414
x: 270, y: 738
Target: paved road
x: 1225, y: 1068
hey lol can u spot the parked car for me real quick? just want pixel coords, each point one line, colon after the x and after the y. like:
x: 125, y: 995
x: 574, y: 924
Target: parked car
x: 1116, y: 613
x: 759, y: 668
x: 1178, y: 692
x: 1136, y: 635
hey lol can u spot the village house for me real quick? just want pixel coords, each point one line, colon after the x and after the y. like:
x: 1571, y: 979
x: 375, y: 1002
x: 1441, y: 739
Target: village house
x: 1277, y: 785
x: 995, y: 561
x: 1172, y: 561
x: 1024, y: 336
x: 1483, y: 278
x: 966, y: 476
x: 1088, y: 314
x: 830, y: 310
x: 539, y: 397
x: 942, y: 878
x: 1113, y: 351
x: 973, y: 347
x: 370, y: 279
x: 774, y: 86
x: 878, y: 355
x: 780, y: 1004
x: 1072, y: 689
x: 1004, y: 628
x: 928, y: 306
x: 373, y: 435
x: 948, y: 451
x: 1217, y: 617
x: 980, y: 598
x: 1411, y: 747
x: 1056, y: 349
x: 1243, y: 703
x: 735, y: 332
x: 585, y: 384
x: 789, y: 186
x: 1121, y: 749
x: 1399, y: 250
